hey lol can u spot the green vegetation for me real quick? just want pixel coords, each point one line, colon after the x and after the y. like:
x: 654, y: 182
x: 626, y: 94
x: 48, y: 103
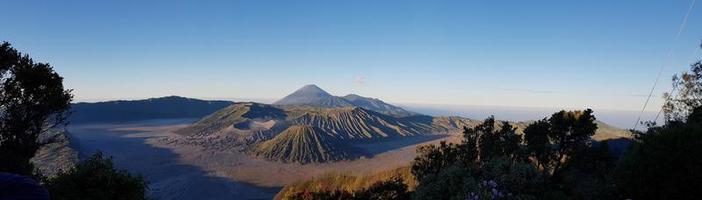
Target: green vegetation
x: 557, y: 158
x: 96, y: 178
x: 664, y: 162
x: 32, y: 101
x: 554, y: 158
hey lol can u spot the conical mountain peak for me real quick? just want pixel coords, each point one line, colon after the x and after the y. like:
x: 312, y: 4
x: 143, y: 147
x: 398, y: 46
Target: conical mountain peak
x: 312, y: 89
x: 311, y: 95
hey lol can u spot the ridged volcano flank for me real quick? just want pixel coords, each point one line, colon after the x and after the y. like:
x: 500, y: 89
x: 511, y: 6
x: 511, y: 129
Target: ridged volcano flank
x: 236, y: 114
x: 304, y: 144
x: 377, y: 105
x: 360, y: 123
x: 311, y: 95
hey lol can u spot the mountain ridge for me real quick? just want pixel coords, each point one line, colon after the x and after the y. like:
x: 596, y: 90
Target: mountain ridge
x: 167, y: 107
x: 313, y: 96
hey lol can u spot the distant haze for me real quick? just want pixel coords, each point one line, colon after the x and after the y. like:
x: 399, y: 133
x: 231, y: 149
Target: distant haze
x: 620, y: 118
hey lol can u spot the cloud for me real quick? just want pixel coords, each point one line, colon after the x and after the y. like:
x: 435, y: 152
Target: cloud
x: 360, y: 81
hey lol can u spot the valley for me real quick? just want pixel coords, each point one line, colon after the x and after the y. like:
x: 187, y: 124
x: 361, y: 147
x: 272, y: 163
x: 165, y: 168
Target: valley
x: 252, y: 150
x: 178, y: 171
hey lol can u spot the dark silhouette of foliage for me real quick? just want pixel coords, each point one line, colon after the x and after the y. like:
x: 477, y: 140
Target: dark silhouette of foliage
x: 494, y: 162
x: 539, y: 144
x: 32, y: 101
x: 689, y: 87
x: 496, y: 179
x: 552, y: 141
x: 96, y: 178
x: 589, y: 174
x: 664, y: 162
x: 432, y: 159
x: 493, y: 142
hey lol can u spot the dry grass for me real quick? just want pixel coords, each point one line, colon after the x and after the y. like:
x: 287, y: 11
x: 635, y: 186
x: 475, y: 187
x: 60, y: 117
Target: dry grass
x: 349, y: 183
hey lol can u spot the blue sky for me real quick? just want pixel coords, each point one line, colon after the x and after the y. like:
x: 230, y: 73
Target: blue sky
x: 600, y: 54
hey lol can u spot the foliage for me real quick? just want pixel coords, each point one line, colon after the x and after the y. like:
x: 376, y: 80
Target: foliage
x: 32, y: 101
x: 552, y: 141
x: 433, y: 159
x: 494, y: 162
x: 96, y: 178
x: 493, y: 143
x: 664, y: 162
x: 589, y: 174
x: 496, y: 179
x: 689, y: 86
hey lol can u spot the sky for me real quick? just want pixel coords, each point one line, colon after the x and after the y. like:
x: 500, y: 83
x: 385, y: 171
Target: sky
x: 598, y: 54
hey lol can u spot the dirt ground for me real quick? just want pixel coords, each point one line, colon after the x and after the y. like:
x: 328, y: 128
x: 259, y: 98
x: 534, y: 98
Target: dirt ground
x: 180, y: 171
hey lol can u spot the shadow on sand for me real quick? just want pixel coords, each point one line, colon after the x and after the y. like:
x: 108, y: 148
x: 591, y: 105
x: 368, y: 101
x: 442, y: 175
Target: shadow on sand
x: 168, y: 178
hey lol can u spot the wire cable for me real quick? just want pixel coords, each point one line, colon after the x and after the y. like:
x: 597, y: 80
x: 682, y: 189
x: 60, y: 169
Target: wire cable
x: 670, y: 53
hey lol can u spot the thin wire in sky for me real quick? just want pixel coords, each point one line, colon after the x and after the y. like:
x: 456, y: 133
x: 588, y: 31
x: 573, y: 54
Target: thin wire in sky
x: 670, y: 53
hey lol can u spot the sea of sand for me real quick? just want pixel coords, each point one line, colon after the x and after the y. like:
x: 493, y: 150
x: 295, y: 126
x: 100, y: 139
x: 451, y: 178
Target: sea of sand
x: 181, y: 171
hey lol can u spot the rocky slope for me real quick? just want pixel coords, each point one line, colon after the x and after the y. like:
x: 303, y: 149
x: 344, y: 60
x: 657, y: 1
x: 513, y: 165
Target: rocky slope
x: 304, y: 144
x: 55, y: 154
x: 311, y: 125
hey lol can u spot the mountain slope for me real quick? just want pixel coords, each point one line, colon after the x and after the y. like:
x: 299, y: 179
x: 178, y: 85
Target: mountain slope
x: 239, y: 119
x: 304, y: 144
x: 377, y: 105
x: 313, y: 96
x: 359, y: 123
x: 170, y: 107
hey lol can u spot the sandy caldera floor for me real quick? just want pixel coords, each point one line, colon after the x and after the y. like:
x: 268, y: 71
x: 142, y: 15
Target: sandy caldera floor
x: 178, y: 171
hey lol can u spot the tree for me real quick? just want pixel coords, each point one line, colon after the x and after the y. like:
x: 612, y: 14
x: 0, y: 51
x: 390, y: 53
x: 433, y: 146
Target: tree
x: 664, y: 163
x: 589, y: 174
x: 490, y: 163
x: 96, y: 178
x: 498, y: 178
x: 32, y: 101
x: 539, y: 144
x: 552, y: 141
x: 493, y: 142
x: 497, y: 163
x: 689, y: 86
x: 433, y: 159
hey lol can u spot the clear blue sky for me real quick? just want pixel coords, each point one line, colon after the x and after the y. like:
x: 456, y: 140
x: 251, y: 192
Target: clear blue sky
x: 601, y: 54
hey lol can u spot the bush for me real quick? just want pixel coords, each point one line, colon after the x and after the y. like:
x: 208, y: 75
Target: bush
x: 664, y: 163
x: 96, y: 178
